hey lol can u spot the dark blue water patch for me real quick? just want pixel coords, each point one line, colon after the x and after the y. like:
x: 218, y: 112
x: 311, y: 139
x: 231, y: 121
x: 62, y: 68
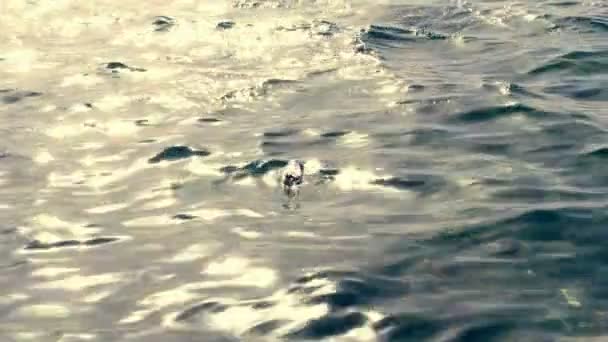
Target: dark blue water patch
x: 431, y: 105
x: 408, y: 327
x: 578, y: 226
x: 258, y: 168
x: 422, y: 136
x: 376, y: 32
x: 423, y: 184
x: 581, y: 92
x: 514, y: 89
x: 399, y: 183
x: 587, y: 167
x: 600, y: 152
x: 581, y: 24
x: 352, y: 289
x: 445, y: 17
x: 338, y: 300
x: 599, y: 280
x: 582, y: 63
x: 163, y: 23
x: 392, y: 219
x: 591, y: 94
x: 174, y: 153
x: 262, y: 167
x: 485, y: 331
x: 505, y: 247
x: 330, y: 325
x: 493, y: 148
x: 589, y: 164
x: 497, y: 112
x: 391, y: 36
x: 553, y: 149
x: 575, y: 131
x: 277, y: 148
x: 528, y: 194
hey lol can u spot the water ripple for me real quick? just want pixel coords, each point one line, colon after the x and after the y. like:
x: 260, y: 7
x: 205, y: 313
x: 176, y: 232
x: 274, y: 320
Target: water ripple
x: 454, y: 184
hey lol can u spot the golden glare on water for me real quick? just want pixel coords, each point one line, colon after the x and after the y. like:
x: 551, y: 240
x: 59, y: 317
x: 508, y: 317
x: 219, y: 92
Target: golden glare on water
x: 452, y: 181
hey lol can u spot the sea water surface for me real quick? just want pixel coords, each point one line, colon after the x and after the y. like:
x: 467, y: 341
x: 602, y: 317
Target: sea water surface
x: 455, y: 153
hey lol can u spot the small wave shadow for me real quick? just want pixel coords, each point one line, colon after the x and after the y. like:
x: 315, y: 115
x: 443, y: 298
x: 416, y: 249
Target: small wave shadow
x: 175, y: 153
x: 36, y: 245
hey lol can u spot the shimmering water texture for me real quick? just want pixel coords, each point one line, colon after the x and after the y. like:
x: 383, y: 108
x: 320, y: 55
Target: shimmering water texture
x: 454, y: 181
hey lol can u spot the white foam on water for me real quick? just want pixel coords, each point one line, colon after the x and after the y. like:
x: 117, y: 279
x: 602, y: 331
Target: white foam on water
x: 150, y: 221
x: 52, y: 272
x: 104, y: 209
x: 203, y: 167
x: 227, y: 266
x: 288, y: 307
x: 354, y: 140
x: 80, y: 80
x: 97, y: 296
x: 193, y: 252
x: 352, y: 178
x: 246, y: 234
x: 302, y: 235
x: 112, y: 102
x: 67, y: 130
x: 72, y: 337
x: 48, y: 228
x: 44, y: 310
x: 160, y: 203
x: 77, y: 283
x: 213, y: 214
x: 13, y: 298
x: 43, y: 157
